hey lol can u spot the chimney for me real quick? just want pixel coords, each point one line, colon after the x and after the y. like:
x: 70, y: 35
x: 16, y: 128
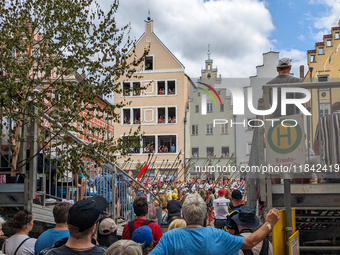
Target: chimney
x: 302, y: 71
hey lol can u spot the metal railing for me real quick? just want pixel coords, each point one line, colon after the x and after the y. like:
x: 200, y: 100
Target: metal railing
x: 46, y: 183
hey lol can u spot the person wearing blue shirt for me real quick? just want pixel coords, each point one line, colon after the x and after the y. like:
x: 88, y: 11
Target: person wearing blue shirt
x: 198, y: 240
x: 103, y: 183
x: 51, y: 236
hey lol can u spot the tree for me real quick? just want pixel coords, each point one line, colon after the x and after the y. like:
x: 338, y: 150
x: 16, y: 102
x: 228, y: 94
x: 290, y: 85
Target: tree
x: 44, y: 44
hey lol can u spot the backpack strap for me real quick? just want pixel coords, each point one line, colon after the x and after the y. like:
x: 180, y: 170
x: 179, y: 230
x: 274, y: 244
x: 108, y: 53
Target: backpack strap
x: 131, y: 227
x: 146, y: 222
x: 247, y: 252
x: 265, y: 246
x: 20, y: 245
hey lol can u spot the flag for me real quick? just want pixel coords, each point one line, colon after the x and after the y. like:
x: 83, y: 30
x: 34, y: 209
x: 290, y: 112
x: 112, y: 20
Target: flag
x: 143, y: 169
x: 330, y: 57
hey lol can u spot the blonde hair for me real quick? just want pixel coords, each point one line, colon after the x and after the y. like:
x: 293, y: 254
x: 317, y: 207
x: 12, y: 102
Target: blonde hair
x: 178, y: 223
x: 124, y: 247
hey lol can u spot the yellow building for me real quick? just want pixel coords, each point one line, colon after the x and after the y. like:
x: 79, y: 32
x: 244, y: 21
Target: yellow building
x: 324, y: 65
x: 160, y: 109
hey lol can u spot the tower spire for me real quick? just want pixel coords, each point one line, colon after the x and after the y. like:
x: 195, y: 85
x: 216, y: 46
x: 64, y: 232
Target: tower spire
x: 209, y: 52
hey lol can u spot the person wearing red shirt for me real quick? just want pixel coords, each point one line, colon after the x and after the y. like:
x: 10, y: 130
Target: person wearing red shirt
x: 140, y: 207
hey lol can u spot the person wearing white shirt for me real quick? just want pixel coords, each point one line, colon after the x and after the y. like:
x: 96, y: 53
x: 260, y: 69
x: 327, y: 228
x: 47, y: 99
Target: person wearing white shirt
x: 221, y: 209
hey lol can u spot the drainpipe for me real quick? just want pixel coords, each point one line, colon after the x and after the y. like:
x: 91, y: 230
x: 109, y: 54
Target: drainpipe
x: 185, y: 127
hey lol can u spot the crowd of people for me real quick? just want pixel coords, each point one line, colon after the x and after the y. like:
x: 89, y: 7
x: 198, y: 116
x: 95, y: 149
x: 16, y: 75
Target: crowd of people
x: 189, y: 207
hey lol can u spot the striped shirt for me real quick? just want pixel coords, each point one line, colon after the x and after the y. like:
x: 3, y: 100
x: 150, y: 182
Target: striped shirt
x: 323, y: 134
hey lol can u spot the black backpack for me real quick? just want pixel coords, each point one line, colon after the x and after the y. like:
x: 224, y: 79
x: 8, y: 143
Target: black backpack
x: 132, y: 225
x: 264, y: 249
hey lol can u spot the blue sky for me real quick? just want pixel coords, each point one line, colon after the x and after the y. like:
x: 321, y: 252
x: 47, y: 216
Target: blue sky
x: 238, y: 31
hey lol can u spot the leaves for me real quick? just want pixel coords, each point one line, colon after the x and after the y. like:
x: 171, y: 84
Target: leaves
x: 44, y: 45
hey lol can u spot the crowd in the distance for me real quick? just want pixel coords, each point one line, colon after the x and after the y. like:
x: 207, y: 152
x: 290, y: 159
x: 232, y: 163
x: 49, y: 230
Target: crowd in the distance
x: 83, y: 228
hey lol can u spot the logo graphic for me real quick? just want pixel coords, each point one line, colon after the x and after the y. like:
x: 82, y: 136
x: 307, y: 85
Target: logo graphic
x: 284, y: 136
x: 204, y: 97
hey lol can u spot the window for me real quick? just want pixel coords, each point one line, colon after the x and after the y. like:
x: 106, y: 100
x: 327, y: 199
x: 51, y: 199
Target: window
x: 248, y: 147
x: 149, y: 63
x: 195, y: 152
x: 224, y: 128
x: 95, y: 132
x: 222, y: 107
x: 131, y: 144
x: 209, y: 106
x: 312, y: 58
x: 36, y: 53
x: 167, y: 144
x: 324, y: 110
x: 88, y: 129
x: 161, y: 115
x: 161, y: 87
x: 194, y: 129
x: 171, y: 87
x: 149, y: 144
x: 210, y: 152
x: 209, y: 129
x: 225, y: 152
x: 166, y: 87
x: 126, y: 89
x: 337, y: 35
x: 136, y: 89
x: 329, y: 43
x: 251, y: 123
x: 322, y: 78
x: 126, y: 116
x: 321, y: 51
x: 136, y: 116
x: 197, y: 108
x: 199, y: 94
x: 166, y: 114
x: 171, y: 115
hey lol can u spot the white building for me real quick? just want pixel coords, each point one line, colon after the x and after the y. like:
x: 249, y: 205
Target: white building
x: 244, y: 135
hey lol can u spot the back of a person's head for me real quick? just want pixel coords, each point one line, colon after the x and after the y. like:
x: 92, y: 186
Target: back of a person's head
x: 107, y: 232
x: 20, y: 219
x: 124, y: 247
x: 60, y: 212
x: 178, y: 223
x: 194, y: 209
x: 140, y: 206
x: 336, y: 107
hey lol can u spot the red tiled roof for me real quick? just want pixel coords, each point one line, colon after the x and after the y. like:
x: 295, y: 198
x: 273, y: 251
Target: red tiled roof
x: 328, y: 36
x: 319, y: 44
x: 335, y: 28
x: 311, y: 51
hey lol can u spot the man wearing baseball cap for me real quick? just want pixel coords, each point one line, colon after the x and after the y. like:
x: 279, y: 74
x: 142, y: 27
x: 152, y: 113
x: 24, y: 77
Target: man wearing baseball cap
x: 236, y: 198
x: 284, y: 67
x: 82, y: 222
x: 221, y: 209
x: 246, y: 222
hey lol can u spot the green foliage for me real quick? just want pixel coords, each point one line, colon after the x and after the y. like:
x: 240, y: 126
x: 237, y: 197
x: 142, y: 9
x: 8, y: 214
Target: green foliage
x: 44, y: 44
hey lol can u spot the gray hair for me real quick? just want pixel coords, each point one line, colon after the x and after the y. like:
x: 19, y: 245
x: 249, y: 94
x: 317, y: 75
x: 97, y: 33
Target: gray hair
x: 124, y: 247
x: 2, y: 221
x: 194, y: 209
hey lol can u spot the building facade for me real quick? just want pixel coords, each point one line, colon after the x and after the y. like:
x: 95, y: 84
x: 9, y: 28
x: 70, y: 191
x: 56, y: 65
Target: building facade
x: 159, y: 109
x: 244, y: 134
x: 323, y: 63
x: 209, y: 145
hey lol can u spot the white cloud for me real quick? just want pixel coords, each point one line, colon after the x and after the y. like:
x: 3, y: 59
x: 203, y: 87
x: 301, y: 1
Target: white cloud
x: 324, y: 21
x: 236, y: 36
x: 301, y: 37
